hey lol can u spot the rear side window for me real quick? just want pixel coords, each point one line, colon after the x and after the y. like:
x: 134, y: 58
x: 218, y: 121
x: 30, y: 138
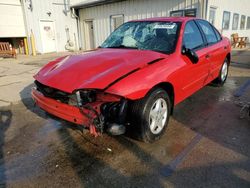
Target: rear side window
x: 208, y: 31
x: 192, y: 38
x: 217, y: 34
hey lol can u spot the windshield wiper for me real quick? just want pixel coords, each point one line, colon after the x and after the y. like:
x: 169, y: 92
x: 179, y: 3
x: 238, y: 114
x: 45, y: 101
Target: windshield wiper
x: 122, y: 46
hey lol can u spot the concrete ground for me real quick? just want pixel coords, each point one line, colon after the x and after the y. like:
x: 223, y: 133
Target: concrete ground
x: 15, y: 74
x: 205, y: 145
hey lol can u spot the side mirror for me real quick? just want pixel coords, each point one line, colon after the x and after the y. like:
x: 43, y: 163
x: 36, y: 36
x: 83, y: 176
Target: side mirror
x: 190, y: 54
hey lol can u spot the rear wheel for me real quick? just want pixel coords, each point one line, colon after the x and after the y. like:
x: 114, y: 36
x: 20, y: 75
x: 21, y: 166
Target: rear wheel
x: 150, y: 115
x: 221, y: 79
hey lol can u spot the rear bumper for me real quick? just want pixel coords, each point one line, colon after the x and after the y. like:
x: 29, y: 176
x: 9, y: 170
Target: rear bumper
x: 61, y: 110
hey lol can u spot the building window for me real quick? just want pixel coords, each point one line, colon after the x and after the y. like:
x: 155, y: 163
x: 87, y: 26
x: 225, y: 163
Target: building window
x: 184, y: 12
x: 176, y: 13
x: 212, y: 12
x: 116, y: 21
x: 235, y: 21
x: 242, y: 22
x: 248, y: 22
x: 226, y: 20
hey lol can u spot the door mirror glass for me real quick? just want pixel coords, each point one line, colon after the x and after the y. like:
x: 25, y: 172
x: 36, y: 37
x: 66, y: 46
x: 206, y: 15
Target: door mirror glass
x: 191, y: 54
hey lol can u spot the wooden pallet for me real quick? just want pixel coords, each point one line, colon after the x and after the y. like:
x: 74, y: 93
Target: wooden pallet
x: 6, y: 50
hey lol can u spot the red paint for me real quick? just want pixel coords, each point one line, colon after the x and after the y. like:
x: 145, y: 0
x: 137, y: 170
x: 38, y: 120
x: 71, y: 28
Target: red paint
x: 99, y: 68
x: 95, y: 69
x: 64, y: 111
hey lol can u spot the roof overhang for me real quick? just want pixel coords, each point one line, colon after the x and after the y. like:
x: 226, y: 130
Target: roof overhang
x: 92, y: 3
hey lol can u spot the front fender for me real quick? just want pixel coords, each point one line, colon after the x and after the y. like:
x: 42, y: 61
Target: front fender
x: 138, y: 84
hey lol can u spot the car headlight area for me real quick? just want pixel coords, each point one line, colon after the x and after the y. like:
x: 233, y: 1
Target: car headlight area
x: 103, y: 111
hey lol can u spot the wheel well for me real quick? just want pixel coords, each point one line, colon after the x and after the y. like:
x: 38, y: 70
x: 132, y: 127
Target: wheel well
x: 168, y: 87
x: 228, y: 58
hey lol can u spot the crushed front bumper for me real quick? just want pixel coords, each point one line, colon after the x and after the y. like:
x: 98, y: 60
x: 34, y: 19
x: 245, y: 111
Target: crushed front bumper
x: 113, y: 113
x: 61, y: 110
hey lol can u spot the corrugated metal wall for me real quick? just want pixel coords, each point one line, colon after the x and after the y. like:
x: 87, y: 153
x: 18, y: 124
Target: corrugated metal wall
x: 132, y: 9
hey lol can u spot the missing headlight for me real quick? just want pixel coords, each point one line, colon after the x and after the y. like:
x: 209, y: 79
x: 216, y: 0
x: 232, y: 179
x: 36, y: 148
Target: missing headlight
x: 115, y: 111
x: 84, y: 96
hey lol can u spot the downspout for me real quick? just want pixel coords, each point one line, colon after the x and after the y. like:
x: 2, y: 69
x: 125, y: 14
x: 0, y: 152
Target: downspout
x: 206, y: 9
x: 27, y: 52
x: 75, y: 14
x: 66, y: 7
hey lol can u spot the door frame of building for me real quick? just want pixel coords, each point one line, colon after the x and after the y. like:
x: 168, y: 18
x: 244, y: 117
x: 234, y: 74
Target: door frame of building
x: 87, y: 41
x: 48, y: 20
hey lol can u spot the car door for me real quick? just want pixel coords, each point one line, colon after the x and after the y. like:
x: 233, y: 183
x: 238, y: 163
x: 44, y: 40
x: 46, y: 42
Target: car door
x: 194, y: 75
x: 216, y: 52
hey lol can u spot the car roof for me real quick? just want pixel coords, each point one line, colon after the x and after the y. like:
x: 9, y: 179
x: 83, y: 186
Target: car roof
x: 167, y: 19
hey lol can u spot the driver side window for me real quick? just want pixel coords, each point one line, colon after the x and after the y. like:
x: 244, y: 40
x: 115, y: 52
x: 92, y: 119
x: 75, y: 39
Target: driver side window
x: 192, y: 38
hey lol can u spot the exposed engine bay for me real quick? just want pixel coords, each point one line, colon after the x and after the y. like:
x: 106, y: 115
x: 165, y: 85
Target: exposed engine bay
x: 105, y: 112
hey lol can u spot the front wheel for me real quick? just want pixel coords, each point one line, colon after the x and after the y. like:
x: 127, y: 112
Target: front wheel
x: 221, y: 79
x: 150, y: 115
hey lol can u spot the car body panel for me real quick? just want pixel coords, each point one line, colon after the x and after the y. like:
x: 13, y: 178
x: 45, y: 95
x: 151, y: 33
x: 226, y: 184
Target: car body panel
x: 96, y: 69
x: 218, y: 52
x: 67, y: 112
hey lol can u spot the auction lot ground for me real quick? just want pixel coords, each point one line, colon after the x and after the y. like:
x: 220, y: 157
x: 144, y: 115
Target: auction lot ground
x: 205, y: 145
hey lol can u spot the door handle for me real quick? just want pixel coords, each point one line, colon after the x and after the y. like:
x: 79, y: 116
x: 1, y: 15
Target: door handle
x: 207, y: 56
x: 225, y: 47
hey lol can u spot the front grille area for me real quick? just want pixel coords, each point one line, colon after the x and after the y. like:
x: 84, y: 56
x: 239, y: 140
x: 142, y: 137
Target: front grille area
x: 53, y: 93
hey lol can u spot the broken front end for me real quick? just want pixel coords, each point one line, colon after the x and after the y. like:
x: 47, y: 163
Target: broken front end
x: 91, y: 108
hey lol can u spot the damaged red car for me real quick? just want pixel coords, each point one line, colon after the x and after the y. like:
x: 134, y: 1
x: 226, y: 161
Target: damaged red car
x: 136, y: 77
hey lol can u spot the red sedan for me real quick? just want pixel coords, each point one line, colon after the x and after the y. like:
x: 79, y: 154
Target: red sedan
x: 136, y: 77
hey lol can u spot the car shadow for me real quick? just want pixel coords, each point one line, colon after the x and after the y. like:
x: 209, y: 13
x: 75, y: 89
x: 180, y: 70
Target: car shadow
x: 193, y: 113
x: 227, y: 174
x: 93, y: 171
x: 213, y: 113
x: 240, y: 65
x: 5, y: 121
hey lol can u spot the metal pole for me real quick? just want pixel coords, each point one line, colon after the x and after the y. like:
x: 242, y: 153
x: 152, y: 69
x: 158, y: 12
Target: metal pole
x: 26, y: 47
x: 32, y: 39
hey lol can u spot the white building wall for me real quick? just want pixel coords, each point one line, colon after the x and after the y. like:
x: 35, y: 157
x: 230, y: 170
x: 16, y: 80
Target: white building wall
x: 11, y: 19
x: 61, y: 21
x: 132, y: 9
x: 242, y: 7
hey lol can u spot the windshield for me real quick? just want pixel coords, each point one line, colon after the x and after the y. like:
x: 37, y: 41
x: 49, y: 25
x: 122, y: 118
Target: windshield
x: 148, y: 35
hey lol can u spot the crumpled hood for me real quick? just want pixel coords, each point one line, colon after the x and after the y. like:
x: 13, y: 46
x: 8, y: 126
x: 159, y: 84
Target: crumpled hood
x: 96, y: 69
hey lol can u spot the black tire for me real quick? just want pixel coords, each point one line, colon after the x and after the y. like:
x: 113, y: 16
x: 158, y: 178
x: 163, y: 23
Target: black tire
x: 139, y: 115
x: 219, y: 81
